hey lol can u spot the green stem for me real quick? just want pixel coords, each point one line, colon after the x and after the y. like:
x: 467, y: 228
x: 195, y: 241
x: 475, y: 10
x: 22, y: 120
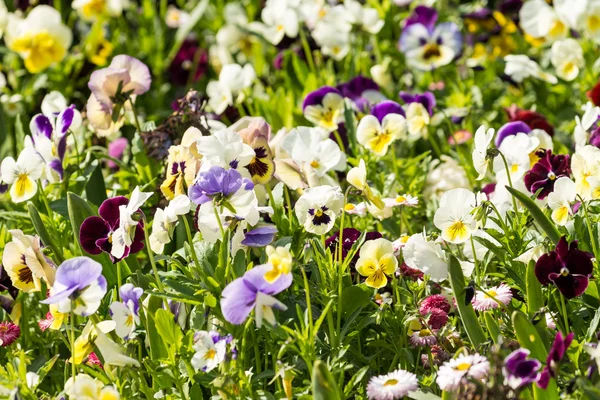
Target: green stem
x: 564, y: 312
x: 191, y: 240
x: 589, y: 227
x: 135, y: 117
x: 307, y: 52
x: 72, y: 340
x: 151, y: 257
x: 510, y: 183
x: 475, y: 261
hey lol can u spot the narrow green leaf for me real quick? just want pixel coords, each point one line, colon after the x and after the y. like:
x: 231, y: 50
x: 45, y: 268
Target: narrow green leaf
x: 168, y: 330
x: 537, y: 214
x: 95, y: 190
x: 492, y: 326
x: 40, y: 228
x: 535, y: 298
x: 323, y: 384
x: 79, y: 210
x: 158, y: 351
x: 528, y: 336
x: 467, y: 314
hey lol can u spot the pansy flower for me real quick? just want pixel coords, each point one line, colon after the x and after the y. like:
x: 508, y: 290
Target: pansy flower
x: 180, y: 172
x: 425, y: 256
x: 378, y: 131
x: 567, y: 267
x: 324, y: 107
x: 362, y: 91
x: 22, y: 174
x: 256, y: 135
x: 483, y: 139
x: 555, y: 355
x: 233, y: 79
x: 25, y: 263
x: 427, y: 46
x: 453, y: 217
x: 95, y: 234
x: 226, y: 149
x: 318, y: 208
x: 254, y: 292
x: 350, y: 237
x: 520, y: 370
x: 376, y: 262
x: 125, y: 313
x: 209, y: 350
x: 165, y: 221
x: 561, y: 199
x: 49, y: 139
x: 533, y: 119
x: 78, y: 287
x: 546, y: 171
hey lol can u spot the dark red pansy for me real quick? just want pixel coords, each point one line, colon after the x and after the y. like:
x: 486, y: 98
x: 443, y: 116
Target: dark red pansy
x: 546, y: 171
x: 557, y: 353
x: 96, y: 232
x: 350, y: 237
x: 533, y: 119
x: 594, y: 94
x: 567, y: 267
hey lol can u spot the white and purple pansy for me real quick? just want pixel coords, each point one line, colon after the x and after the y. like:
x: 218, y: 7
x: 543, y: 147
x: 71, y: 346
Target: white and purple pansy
x: 49, y: 139
x: 426, y: 45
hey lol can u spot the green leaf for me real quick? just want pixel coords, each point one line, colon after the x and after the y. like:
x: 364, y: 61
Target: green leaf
x: 79, y: 210
x: 95, y: 190
x: 538, y: 215
x: 323, y: 384
x: 40, y: 228
x: 158, y: 350
x: 528, y: 336
x: 168, y: 330
x: 354, y: 297
x: 44, y: 369
x: 467, y: 314
x: 535, y: 297
x: 492, y: 326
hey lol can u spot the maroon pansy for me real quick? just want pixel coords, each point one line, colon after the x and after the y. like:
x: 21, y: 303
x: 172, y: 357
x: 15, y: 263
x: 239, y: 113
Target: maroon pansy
x: 533, y: 119
x: 350, y: 237
x: 594, y: 94
x: 546, y: 171
x: 555, y: 356
x: 567, y: 267
x: 95, y: 234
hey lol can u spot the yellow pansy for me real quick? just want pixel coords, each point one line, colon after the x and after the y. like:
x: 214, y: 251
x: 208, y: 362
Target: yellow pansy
x: 41, y: 38
x: 376, y: 261
x: 181, y: 171
x: 281, y: 260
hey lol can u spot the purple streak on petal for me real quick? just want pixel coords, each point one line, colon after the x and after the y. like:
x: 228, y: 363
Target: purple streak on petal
x: 56, y: 165
x: 62, y: 147
x: 40, y: 125
x: 92, y: 229
x: 316, y: 97
x: 109, y: 210
x: 237, y: 301
x: 116, y: 148
x: 64, y: 120
x: 380, y: 110
x: 423, y: 15
x: 260, y: 237
x: 130, y: 293
x: 511, y: 129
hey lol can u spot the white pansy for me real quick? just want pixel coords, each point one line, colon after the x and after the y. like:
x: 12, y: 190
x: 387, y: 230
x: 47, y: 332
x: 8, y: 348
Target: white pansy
x: 314, y: 150
x: 585, y: 166
x: 417, y: 119
x: 540, y: 20
x: 22, y: 174
x: 591, y: 113
x: 377, y: 136
x: 225, y: 149
x: 560, y: 200
x: 520, y: 67
x: 318, y: 208
x: 280, y: 19
x: 112, y: 353
x: 516, y: 149
x: 165, y: 221
x: 567, y: 57
x: 233, y: 79
x: 366, y: 18
x: 453, y: 216
x: 482, y: 141
x: 426, y: 256
x: 208, y: 354
x: 123, y: 235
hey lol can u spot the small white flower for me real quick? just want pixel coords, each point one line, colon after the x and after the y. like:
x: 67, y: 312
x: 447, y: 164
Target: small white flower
x: 453, y: 217
x: 520, y: 67
x: 567, y: 58
x: 484, y: 301
x: 560, y: 200
x: 313, y: 148
x: 585, y: 166
x: 165, y: 221
x: 516, y: 149
x: 176, y: 17
x: 483, y: 139
x: 233, y: 79
x: 208, y: 354
x: 225, y: 149
x: 318, y: 208
x: 426, y: 256
x: 392, y: 386
x: 280, y: 19
x: 22, y: 174
x: 417, y: 119
x: 123, y: 235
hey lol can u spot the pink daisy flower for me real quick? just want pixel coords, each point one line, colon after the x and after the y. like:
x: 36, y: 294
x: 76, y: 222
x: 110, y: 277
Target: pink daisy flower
x: 422, y: 338
x: 437, y: 318
x: 93, y: 359
x: 46, y: 322
x: 9, y: 332
x: 484, y: 301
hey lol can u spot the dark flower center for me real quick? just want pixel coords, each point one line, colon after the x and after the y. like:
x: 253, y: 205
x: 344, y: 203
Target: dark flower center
x: 25, y: 275
x: 319, y: 216
x: 257, y: 167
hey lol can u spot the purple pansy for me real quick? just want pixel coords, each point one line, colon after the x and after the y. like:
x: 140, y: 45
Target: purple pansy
x: 241, y: 296
x: 555, y: 356
x: 116, y: 149
x: 427, y: 99
x: 95, y: 234
x: 567, y: 267
x: 189, y: 59
x: 519, y: 370
x: 130, y: 295
x: 350, y: 237
x: 546, y: 171
x: 217, y: 182
x: 362, y: 91
x: 315, y: 98
x: 511, y: 129
x: 260, y: 237
x: 79, y: 286
x: 426, y: 45
x: 381, y: 109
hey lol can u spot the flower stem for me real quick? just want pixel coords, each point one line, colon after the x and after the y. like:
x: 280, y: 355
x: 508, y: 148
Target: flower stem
x: 151, y: 257
x: 135, y: 117
x: 509, y: 183
x: 191, y: 240
x: 590, y: 231
x: 72, y: 340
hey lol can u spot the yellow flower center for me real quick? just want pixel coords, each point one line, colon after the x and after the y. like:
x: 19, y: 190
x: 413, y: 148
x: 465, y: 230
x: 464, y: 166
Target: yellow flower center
x: 491, y: 293
x: 210, y: 354
x: 349, y: 207
x: 593, y: 23
x: 391, y: 382
x: 558, y: 29
x: 314, y: 164
x: 400, y: 199
x: 318, y: 212
x: 457, y: 230
x: 432, y: 50
x: 23, y: 185
x: 93, y: 8
x: 463, y: 366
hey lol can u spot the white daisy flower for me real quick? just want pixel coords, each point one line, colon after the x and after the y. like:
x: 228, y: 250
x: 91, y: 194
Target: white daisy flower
x: 484, y: 301
x: 453, y: 373
x: 394, y: 385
